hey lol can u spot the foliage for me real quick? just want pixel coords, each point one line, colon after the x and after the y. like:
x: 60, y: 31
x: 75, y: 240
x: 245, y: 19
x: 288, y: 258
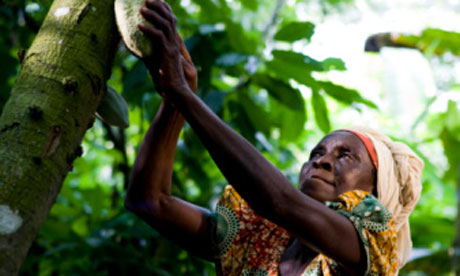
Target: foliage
x: 433, y: 40
x: 443, y: 127
x: 251, y: 76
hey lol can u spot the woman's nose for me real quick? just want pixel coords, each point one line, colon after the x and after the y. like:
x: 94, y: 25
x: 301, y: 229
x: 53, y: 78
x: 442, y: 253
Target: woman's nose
x: 323, y: 162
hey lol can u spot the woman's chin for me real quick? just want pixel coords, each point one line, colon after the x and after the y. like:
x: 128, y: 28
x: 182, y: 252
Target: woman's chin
x: 319, y: 192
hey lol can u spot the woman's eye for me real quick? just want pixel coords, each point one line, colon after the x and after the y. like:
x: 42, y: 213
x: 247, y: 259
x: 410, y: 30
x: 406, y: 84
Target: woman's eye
x: 345, y: 155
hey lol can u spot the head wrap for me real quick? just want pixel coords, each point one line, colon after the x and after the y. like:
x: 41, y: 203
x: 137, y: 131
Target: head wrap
x: 368, y: 144
x: 398, y: 183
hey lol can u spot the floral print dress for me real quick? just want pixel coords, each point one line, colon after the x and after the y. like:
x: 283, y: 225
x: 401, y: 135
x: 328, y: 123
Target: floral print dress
x: 247, y: 244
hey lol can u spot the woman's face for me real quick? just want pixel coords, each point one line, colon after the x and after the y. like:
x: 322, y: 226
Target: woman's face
x: 338, y: 164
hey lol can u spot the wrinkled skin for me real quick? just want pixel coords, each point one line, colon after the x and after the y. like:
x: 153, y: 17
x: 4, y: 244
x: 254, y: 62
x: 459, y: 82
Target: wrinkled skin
x: 170, y: 65
x: 339, y: 163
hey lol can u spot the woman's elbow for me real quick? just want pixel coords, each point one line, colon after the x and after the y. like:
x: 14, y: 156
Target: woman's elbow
x: 131, y: 206
x: 137, y: 202
x: 135, y: 206
x: 136, y: 196
x: 146, y: 207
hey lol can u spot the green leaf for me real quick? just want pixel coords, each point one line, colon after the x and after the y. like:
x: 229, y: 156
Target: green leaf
x: 205, y: 49
x: 290, y: 122
x: 291, y: 65
x: 136, y: 83
x: 231, y: 59
x: 452, y: 119
x: 343, y: 94
x: 281, y: 91
x: 250, y: 4
x: 240, y: 39
x: 450, y: 137
x: 320, y: 111
x: 295, y: 31
x: 96, y: 200
x: 440, y: 230
x: 283, y: 70
x: 214, y: 100
x: 451, y: 145
x: 436, y: 41
x: 61, y: 210
x: 333, y: 64
x: 135, y: 76
x: 438, y: 263
x: 80, y: 226
x: 55, y: 229
x: 256, y: 114
x: 213, y: 11
x: 235, y: 113
x: 298, y: 60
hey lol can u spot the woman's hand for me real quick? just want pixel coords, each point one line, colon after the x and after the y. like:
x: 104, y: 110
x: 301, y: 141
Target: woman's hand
x: 170, y: 65
x: 188, y: 67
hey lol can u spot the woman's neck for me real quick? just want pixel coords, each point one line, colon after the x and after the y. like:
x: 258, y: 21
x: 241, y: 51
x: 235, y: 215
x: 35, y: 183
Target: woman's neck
x: 295, y: 259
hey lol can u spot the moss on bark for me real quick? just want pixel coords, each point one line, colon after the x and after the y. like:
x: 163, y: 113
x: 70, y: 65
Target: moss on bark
x: 50, y: 108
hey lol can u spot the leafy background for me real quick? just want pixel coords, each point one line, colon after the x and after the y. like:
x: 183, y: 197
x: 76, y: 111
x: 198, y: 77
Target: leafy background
x: 260, y: 71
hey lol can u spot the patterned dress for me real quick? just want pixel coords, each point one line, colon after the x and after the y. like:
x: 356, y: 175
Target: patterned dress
x: 247, y: 244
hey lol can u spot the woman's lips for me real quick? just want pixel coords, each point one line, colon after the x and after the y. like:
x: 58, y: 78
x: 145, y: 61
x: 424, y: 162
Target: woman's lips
x: 322, y: 179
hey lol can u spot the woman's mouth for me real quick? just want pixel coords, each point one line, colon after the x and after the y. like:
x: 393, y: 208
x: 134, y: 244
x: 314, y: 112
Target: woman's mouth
x: 322, y: 179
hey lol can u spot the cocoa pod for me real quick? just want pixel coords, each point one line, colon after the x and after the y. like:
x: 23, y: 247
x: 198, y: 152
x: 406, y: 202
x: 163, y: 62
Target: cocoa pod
x: 113, y: 109
x: 128, y: 17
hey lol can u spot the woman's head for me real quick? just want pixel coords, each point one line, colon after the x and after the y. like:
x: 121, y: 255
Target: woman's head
x: 339, y: 163
x: 398, y: 176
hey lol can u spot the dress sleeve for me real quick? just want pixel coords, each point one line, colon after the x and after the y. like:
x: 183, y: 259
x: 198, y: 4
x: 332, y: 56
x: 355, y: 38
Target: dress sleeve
x: 245, y: 242
x: 374, y: 224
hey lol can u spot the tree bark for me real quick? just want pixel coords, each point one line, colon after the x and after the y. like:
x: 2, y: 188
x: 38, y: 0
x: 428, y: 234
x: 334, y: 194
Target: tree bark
x: 53, y: 102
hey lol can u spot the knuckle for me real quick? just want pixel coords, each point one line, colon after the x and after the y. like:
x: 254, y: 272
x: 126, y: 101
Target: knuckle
x: 169, y: 27
x: 170, y: 51
x: 162, y: 37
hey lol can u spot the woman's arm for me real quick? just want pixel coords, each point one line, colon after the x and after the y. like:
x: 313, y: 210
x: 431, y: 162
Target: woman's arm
x: 265, y: 188
x: 149, y: 191
x: 268, y: 191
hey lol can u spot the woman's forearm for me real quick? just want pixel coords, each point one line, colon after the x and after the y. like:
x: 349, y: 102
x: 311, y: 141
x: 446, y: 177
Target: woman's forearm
x: 256, y: 179
x: 152, y: 171
x: 149, y: 197
x: 252, y: 175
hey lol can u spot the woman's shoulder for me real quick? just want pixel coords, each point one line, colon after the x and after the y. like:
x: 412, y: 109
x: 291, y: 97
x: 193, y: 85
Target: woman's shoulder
x: 363, y: 206
x: 374, y: 224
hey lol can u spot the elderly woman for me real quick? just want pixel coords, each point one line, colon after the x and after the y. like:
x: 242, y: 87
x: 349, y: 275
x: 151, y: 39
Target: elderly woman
x: 349, y: 216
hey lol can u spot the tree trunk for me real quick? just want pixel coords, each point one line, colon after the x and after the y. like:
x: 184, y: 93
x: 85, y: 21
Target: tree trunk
x: 53, y: 102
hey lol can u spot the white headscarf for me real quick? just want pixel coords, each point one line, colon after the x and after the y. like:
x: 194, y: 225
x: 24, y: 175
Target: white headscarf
x: 398, y: 184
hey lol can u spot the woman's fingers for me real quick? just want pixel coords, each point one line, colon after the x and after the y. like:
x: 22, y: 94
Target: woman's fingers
x: 190, y: 74
x: 183, y: 49
x: 158, y: 42
x: 163, y: 9
x: 168, y: 65
x: 153, y: 32
x: 157, y: 20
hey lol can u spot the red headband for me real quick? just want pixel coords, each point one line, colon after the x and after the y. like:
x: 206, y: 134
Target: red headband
x: 368, y: 144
